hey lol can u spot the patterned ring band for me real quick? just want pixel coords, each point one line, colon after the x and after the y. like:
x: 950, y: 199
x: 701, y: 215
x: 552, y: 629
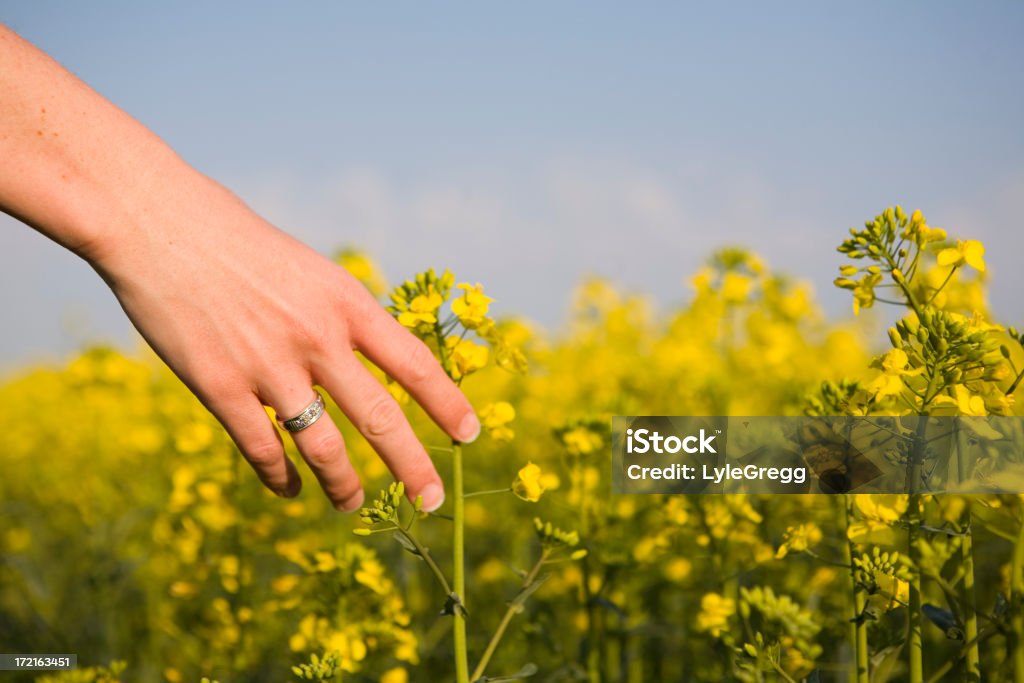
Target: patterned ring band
x: 307, y: 417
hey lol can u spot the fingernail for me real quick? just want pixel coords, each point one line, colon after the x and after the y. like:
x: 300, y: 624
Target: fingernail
x: 433, y: 497
x: 353, y: 503
x: 469, y: 429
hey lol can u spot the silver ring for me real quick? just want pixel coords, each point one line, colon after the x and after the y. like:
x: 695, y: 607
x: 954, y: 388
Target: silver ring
x: 307, y: 417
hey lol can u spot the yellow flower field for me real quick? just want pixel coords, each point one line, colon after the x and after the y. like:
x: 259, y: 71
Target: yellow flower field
x: 133, y: 532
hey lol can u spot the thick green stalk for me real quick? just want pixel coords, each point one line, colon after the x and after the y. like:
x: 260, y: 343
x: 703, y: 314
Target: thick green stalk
x: 593, y: 649
x: 915, y: 650
x: 459, y: 570
x: 1016, y: 598
x: 858, y: 627
x: 972, y: 657
x: 914, y: 639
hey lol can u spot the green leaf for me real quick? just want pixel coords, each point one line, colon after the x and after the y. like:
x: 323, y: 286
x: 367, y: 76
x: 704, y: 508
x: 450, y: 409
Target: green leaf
x: 527, y: 671
x: 524, y: 594
x: 406, y: 543
x: 883, y: 662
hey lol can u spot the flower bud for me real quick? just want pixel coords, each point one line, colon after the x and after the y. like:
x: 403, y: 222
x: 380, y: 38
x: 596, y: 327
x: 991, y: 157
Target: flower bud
x: 895, y: 338
x: 997, y: 373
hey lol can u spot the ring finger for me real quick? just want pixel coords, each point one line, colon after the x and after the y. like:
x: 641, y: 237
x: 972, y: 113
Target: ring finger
x: 320, y: 443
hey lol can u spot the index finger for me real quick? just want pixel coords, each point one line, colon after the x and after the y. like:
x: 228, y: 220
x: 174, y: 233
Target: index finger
x: 405, y: 358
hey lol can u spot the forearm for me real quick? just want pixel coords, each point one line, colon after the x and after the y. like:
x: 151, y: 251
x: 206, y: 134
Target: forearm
x: 72, y: 165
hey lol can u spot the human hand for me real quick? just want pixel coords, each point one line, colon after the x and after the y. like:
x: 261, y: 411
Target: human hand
x: 244, y: 314
x: 247, y: 316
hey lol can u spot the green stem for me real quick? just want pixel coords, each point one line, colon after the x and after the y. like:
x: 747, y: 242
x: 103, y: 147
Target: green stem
x: 1016, y: 383
x: 973, y: 656
x: 904, y: 285
x: 1016, y: 599
x: 514, y: 607
x: 459, y: 562
x: 914, y: 638
x: 940, y: 673
x: 968, y: 598
x: 858, y: 627
x: 425, y: 554
x: 942, y: 286
x: 488, y: 493
x: 781, y: 671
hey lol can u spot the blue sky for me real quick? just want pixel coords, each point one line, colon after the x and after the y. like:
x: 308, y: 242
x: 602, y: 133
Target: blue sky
x: 526, y: 145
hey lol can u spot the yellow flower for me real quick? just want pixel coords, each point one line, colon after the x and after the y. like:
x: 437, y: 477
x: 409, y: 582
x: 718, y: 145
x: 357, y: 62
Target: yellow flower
x: 864, y: 292
x: 325, y: 561
x: 495, y: 418
x: 715, y: 611
x: 466, y: 357
x: 735, y: 287
x: 285, y: 583
x: 395, y: 675
x: 364, y: 269
x: 798, y: 539
x: 193, y: 437
x: 971, y: 252
x: 872, y: 531
x: 397, y: 391
x: 471, y: 307
x: 527, y: 484
x: 580, y: 441
x: 968, y: 403
x: 678, y: 569
x: 422, y: 310
x: 701, y: 281
x: 883, y: 507
x: 895, y: 590
x: 894, y: 367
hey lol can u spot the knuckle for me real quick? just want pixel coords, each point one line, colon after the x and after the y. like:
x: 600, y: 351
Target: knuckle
x: 384, y: 417
x: 419, y: 363
x: 324, y: 449
x: 264, y: 454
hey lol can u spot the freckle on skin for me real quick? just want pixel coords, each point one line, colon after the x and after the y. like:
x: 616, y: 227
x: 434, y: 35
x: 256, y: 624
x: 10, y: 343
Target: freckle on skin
x: 39, y: 133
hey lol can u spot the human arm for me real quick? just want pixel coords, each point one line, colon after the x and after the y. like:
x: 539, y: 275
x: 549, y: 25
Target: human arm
x: 244, y: 314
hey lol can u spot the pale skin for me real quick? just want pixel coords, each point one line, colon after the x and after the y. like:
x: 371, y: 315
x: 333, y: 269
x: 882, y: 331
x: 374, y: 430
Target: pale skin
x: 244, y: 314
